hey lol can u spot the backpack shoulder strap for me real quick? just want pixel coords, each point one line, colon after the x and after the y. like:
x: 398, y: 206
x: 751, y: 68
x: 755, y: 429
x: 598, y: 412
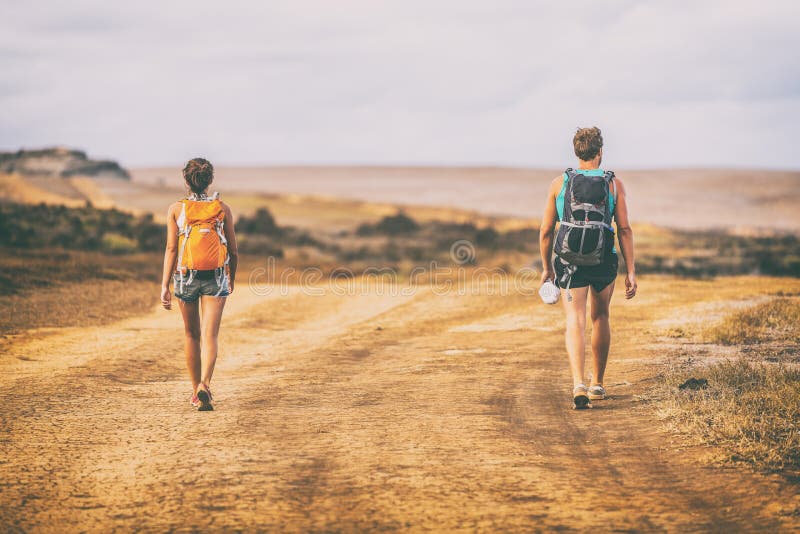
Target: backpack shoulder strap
x: 566, y: 187
x: 181, y: 220
x: 609, y: 178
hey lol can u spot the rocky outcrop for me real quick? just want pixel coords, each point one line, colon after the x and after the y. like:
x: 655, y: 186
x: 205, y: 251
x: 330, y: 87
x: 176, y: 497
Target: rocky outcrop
x: 59, y: 162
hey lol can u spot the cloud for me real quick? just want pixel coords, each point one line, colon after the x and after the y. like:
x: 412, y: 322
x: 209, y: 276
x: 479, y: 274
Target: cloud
x: 506, y: 82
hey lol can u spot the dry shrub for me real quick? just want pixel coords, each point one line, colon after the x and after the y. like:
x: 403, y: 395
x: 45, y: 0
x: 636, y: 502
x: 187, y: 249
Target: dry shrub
x: 750, y: 410
x: 776, y: 320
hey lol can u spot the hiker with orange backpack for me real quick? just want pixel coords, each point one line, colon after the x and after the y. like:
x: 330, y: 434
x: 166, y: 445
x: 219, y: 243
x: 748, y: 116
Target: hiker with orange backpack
x: 200, y: 259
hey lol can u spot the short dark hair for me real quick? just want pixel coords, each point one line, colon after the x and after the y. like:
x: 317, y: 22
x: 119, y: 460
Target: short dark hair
x: 198, y: 173
x: 588, y: 142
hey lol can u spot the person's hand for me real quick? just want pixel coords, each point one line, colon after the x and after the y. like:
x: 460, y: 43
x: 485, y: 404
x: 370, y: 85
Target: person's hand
x: 166, y: 298
x: 547, y: 274
x: 230, y: 286
x: 630, y: 286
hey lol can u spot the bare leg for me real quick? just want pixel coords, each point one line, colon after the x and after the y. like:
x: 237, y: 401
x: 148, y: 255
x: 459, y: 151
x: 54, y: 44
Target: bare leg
x: 191, y: 343
x: 576, y: 327
x: 212, y: 316
x: 601, y: 331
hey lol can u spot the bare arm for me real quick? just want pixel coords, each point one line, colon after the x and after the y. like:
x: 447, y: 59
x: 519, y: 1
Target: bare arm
x: 547, y: 229
x: 230, y: 237
x: 625, y: 236
x: 170, y: 257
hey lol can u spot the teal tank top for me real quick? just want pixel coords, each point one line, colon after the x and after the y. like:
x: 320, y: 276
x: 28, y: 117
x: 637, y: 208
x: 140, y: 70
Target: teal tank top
x: 587, y: 172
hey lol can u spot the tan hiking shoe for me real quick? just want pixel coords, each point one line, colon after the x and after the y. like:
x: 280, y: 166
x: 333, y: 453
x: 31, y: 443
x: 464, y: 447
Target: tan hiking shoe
x: 597, y: 392
x: 580, y: 397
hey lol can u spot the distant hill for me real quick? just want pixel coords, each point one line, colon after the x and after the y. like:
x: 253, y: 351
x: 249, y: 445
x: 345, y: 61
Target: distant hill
x: 59, y: 162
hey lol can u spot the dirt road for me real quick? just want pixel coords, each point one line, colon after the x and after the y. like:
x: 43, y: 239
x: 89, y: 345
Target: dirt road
x: 361, y: 412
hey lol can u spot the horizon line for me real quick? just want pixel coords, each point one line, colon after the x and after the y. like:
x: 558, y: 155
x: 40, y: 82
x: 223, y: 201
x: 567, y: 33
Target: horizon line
x: 466, y: 166
x: 413, y: 165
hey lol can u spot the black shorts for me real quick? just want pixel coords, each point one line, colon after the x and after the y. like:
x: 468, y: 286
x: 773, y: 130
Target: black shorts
x: 597, y: 276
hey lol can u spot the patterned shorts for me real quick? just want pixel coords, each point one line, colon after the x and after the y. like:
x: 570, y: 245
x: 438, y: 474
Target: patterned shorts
x: 201, y: 283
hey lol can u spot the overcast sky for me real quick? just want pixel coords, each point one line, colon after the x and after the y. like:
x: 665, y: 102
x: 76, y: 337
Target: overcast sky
x: 695, y: 83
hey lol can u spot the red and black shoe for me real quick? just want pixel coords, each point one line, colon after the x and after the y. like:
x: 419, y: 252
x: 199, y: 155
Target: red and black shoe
x: 205, y: 398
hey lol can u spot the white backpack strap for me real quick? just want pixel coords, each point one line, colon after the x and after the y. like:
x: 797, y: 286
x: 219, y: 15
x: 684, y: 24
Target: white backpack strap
x: 221, y: 276
x: 185, y: 234
x: 181, y: 220
x: 220, y: 226
x: 221, y: 272
x: 191, y: 277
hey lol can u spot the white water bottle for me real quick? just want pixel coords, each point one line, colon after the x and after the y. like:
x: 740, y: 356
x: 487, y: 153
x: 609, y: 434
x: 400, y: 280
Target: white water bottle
x: 549, y: 292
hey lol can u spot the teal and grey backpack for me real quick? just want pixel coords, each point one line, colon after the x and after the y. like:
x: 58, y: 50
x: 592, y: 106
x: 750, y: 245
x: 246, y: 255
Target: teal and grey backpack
x: 585, y: 235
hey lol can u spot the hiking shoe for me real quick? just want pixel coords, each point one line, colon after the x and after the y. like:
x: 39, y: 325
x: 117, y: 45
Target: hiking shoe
x: 194, y: 401
x: 597, y: 392
x: 204, y: 396
x: 580, y: 397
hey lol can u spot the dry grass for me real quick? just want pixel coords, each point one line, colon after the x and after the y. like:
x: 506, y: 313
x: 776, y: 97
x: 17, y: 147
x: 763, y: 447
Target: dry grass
x: 751, y: 411
x: 58, y: 288
x: 749, y: 407
x: 86, y: 303
x: 776, y: 320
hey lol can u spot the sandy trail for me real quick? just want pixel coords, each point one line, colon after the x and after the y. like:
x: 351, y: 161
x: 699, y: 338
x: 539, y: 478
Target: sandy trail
x: 354, y: 412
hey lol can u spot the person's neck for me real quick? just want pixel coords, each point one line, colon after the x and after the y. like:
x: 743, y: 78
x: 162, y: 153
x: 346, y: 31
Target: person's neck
x: 588, y: 165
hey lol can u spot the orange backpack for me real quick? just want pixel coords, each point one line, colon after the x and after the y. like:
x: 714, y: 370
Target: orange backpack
x: 202, y: 245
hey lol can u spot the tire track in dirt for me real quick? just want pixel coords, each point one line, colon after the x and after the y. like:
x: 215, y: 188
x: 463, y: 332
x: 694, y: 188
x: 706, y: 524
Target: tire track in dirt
x: 614, y: 462
x: 347, y: 413
x: 105, y: 411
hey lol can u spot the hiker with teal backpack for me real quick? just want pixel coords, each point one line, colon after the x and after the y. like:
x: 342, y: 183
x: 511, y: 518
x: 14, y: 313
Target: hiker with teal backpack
x: 585, y: 201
